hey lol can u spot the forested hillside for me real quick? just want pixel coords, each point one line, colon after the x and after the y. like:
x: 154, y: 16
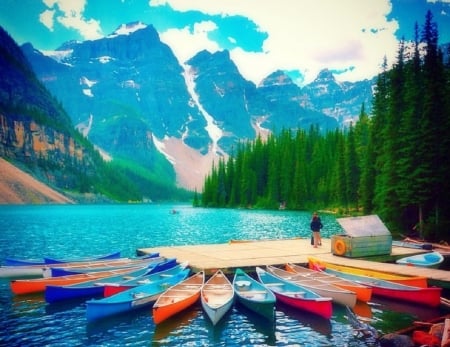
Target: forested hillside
x: 393, y: 162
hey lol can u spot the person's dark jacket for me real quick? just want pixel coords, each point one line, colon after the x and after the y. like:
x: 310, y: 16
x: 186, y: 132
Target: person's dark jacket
x: 316, y: 224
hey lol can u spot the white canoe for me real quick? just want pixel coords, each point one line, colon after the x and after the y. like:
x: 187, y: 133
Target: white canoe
x: 217, y: 296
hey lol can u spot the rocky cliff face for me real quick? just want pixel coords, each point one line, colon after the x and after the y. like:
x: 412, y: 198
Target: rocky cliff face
x: 34, y: 129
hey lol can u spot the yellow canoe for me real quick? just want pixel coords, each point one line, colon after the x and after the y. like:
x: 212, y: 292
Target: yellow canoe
x: 415, y: 281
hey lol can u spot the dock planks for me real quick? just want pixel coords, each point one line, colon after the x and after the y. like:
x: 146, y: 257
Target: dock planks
x: 229, y: 256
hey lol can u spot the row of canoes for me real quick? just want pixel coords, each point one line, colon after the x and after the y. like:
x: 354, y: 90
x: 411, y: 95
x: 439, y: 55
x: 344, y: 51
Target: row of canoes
x: 17, y: 268
x: 166, y: 285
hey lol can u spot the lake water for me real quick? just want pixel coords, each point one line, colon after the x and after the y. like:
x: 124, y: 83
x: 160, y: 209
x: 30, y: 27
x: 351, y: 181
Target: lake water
x: 84, y: 230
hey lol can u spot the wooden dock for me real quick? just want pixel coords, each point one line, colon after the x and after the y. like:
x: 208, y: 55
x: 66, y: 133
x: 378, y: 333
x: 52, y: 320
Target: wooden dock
x: 248, y: 254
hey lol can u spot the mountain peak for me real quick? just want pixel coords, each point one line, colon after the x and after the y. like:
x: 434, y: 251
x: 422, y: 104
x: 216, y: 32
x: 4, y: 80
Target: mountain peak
x: 278, y: 77
x: 127, y: 29
x: 325, y: 75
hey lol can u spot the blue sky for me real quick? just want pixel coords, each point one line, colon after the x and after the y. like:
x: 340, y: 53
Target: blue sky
x: 350, y: 37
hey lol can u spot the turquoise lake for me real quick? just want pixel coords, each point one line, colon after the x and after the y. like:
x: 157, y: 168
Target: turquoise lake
x: 84, y: 230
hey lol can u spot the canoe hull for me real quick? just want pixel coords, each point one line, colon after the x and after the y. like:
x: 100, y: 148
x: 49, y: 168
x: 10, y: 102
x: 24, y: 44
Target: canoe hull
x: 217, y: 296
x: 415, y: 281
x: 254, y: 295
x: 429, y: 260
x: 20, y: 287
x: 430, y: 296
x: 295, y: 295
x: 48, y: 260
x: 132, y: 299
x: 340, y: 296
x: 168, y: 267
x: 88, y: 289
x: 363, y: 293
x: 178, y: 298
x: 317, y: 307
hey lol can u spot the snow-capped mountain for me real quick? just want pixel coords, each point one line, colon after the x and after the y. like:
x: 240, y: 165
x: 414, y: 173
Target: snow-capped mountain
x: 130, y: 96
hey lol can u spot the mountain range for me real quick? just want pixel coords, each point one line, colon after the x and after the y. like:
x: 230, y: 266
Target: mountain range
x: 126, y: 97
x: 129, y: 95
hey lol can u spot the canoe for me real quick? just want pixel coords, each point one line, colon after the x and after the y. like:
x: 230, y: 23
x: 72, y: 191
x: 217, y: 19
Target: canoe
x: 430, y: 296
x: 48, y: 260
x: 35, y: 271
x: 73, y: 270
x: 295, y: 295
x: 178, y: 297
x: 254, y: 295
x: 110, y: 289
x: 363, y: 293
x: 134, y: 298
x: 431, y: 260
x: 217, y: 296
x: 36, y: 285
x: 416, y: 281
x: 95, y: 287
x: 339, y: 295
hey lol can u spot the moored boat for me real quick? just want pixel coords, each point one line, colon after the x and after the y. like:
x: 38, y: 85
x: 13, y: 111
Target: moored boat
x: 51, y: 260
x: 36, y: 271
x: 339, y: 295
x: 73, y: 270
x: 430, y: 260
x: 363, y: 293
x: 110, y: 289
x: 36, y: 285
x: 430, y: 296
x: 95, y: 287
x: 134, y: 298
x: 254, y: 295
x: 178, y: 297
x: 217, y: 296
x: 295, y: 295
x: 48, y: 260
x: 416, y: 281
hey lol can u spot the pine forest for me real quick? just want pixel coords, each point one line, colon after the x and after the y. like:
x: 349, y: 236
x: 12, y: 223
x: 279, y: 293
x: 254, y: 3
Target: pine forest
x: 393, y: 162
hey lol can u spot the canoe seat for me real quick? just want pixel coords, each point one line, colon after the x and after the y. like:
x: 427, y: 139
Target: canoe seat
x: 217, y: 286
x: 243, y: 285
x: 274, y: 284
x: 144, y: 281
x: 295, y: 294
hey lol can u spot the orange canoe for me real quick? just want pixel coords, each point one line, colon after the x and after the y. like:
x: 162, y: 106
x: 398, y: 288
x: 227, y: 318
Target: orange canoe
x: 415, y: 281
x: 36, y: 285
x: 178, y: 297
x: 363, y: 293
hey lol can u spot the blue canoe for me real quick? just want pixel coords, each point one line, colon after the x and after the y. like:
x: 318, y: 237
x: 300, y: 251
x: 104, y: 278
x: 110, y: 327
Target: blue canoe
x: 431, y: 260
x: 95, y: 288
x: 134, y: 298
x: 49, y: 260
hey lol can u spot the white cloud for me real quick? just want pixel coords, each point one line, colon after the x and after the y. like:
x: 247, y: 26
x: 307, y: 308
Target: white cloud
x: 46, y: 18
x: 186, y: 44
x: 70, y: 15
x: 304, y: 35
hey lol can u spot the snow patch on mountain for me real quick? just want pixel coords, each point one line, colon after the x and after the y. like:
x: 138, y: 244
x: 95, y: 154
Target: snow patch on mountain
x: 58, y: 55
x: 127, y: 29
x: 215, y: 133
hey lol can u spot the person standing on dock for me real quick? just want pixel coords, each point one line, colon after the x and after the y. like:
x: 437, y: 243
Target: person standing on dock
x: 316, y: 225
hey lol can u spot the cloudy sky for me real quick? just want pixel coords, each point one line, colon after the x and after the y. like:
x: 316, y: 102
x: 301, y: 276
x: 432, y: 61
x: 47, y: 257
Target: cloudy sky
x: 350, y: 37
